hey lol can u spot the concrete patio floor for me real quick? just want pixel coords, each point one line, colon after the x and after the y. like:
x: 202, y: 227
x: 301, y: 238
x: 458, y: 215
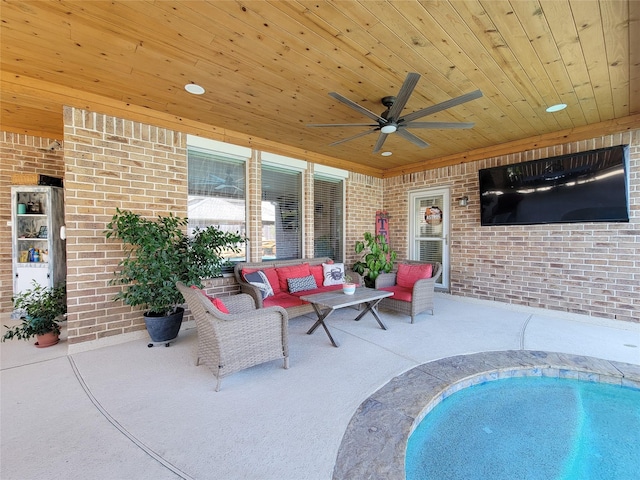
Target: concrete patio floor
x: 130, y: 412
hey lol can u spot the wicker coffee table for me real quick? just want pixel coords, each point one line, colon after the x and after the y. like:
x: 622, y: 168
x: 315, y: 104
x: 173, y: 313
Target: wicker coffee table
x: 326, y: 303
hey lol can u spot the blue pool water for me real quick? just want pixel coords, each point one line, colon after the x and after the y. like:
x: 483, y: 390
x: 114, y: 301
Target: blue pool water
x: 530, y: 428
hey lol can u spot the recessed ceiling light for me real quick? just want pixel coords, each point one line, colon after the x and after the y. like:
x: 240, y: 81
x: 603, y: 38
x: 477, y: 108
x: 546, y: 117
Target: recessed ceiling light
x: 557, y: 107
x: 194, y: 88
x: 386, y: 154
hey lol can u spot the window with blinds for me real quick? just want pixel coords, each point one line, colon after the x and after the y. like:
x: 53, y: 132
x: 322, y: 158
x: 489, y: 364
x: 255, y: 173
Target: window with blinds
x: 430, y: 232
x: 217, y: 193
x: 328, y: 218
x: 281, y: 213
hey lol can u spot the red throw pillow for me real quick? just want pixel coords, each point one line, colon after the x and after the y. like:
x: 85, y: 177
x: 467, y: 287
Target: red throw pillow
x: 219, y: 304
x: 295, y: 271
x: 316, y: 271
x: 409, y: 274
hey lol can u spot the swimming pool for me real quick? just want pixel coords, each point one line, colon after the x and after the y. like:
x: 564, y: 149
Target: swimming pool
x: 375, y: 441
x: 530, y: 429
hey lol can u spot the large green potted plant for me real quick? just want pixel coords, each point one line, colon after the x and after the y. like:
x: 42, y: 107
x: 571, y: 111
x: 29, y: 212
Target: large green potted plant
x: 376, y: 258
x: 159, y: 253
x: 43, y: 309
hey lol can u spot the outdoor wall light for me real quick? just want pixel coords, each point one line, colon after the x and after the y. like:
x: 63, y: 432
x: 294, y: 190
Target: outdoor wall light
x: 464, y: 201
x: 55, y: 145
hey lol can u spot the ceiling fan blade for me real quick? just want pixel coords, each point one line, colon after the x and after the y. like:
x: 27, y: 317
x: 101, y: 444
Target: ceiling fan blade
x: 361, y: 134
x: 442, y: 106
x: 412, y: 138
x: 403, y: 95
x: 226, y: 187
x: 358, y: 108
x: 342, y: 124
x: 381, y: 139
x: 437, y: 125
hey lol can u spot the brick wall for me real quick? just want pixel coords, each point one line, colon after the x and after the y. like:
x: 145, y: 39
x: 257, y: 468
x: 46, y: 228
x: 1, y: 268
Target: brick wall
x: 112, y: 162
x: 363, y: 198
x: 588, y: 268
x: 253, y: 199
x: 308, y: 212
x: 20, y: 154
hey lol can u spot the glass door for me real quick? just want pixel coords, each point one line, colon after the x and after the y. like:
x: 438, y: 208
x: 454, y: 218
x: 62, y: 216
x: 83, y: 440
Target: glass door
x: 429, y: 229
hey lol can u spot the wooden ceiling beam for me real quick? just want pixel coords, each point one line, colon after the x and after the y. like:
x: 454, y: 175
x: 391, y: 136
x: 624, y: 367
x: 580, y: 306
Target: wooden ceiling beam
x: 49, y: 92
x: 608, y: 127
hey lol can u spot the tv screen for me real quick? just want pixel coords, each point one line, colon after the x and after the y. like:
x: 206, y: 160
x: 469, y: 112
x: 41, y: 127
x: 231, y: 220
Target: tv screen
x: 580, y: 187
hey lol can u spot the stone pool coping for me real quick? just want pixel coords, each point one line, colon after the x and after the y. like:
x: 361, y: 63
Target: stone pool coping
x: 374, y: 444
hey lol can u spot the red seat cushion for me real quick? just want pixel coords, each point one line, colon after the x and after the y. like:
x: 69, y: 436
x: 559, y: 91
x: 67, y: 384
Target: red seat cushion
x: 409, y: 274
x: 294, y: 271
x: 318, y: 290
x: 400, y: 293
x: 282, y: 299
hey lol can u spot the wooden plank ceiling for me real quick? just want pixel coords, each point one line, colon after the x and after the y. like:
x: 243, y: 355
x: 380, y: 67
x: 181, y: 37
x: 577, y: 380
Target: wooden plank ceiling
x: 268, y: 68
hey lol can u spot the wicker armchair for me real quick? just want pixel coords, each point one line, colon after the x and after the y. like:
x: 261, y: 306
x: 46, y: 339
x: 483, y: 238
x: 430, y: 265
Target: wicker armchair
x: 242, y: 338
x: 421, y: 297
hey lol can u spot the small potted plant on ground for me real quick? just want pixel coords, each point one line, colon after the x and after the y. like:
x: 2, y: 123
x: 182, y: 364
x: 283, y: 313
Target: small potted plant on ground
x: 43, y: 309
x: 376, y: 258
x: 159, y: 253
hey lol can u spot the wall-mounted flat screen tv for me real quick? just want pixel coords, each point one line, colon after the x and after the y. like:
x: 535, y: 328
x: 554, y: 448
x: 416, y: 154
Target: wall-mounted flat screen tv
x: 580, y: 187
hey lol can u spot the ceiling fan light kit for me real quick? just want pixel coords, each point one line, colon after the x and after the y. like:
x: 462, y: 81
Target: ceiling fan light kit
x: 390, y: 120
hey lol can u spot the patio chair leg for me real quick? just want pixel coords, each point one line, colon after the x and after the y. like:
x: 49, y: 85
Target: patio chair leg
x: 218, y: 382
x: 286, y: 362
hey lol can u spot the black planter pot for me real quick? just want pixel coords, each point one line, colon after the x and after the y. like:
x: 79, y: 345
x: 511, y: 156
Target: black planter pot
x: 164, y: 329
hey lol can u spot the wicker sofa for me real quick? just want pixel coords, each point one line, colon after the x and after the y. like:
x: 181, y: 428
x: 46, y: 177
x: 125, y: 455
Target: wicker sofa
x: 276, y: 271
x: 410, y: 300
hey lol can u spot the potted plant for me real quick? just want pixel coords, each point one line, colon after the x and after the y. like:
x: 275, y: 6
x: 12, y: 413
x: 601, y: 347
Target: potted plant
x: 376, y: 258
x: 159, y: 253
x: 44, y: 308
x: 349, y: 287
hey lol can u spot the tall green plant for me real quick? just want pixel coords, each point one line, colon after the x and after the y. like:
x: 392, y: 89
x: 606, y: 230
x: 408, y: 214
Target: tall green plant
x: 376, y: 258
x: 158, y: 253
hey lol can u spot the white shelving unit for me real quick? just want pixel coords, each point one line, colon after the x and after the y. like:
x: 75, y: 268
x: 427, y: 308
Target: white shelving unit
x: 37, y: 213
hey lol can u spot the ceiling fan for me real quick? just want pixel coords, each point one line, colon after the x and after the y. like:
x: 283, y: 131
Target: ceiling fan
x: 390, y: 120
x: 228, y: 184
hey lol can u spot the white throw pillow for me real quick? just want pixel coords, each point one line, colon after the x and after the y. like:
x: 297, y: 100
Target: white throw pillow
x: 333, y: 273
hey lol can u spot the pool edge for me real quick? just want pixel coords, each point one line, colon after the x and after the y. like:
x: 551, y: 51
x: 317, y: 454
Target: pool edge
x: 374, y: 443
